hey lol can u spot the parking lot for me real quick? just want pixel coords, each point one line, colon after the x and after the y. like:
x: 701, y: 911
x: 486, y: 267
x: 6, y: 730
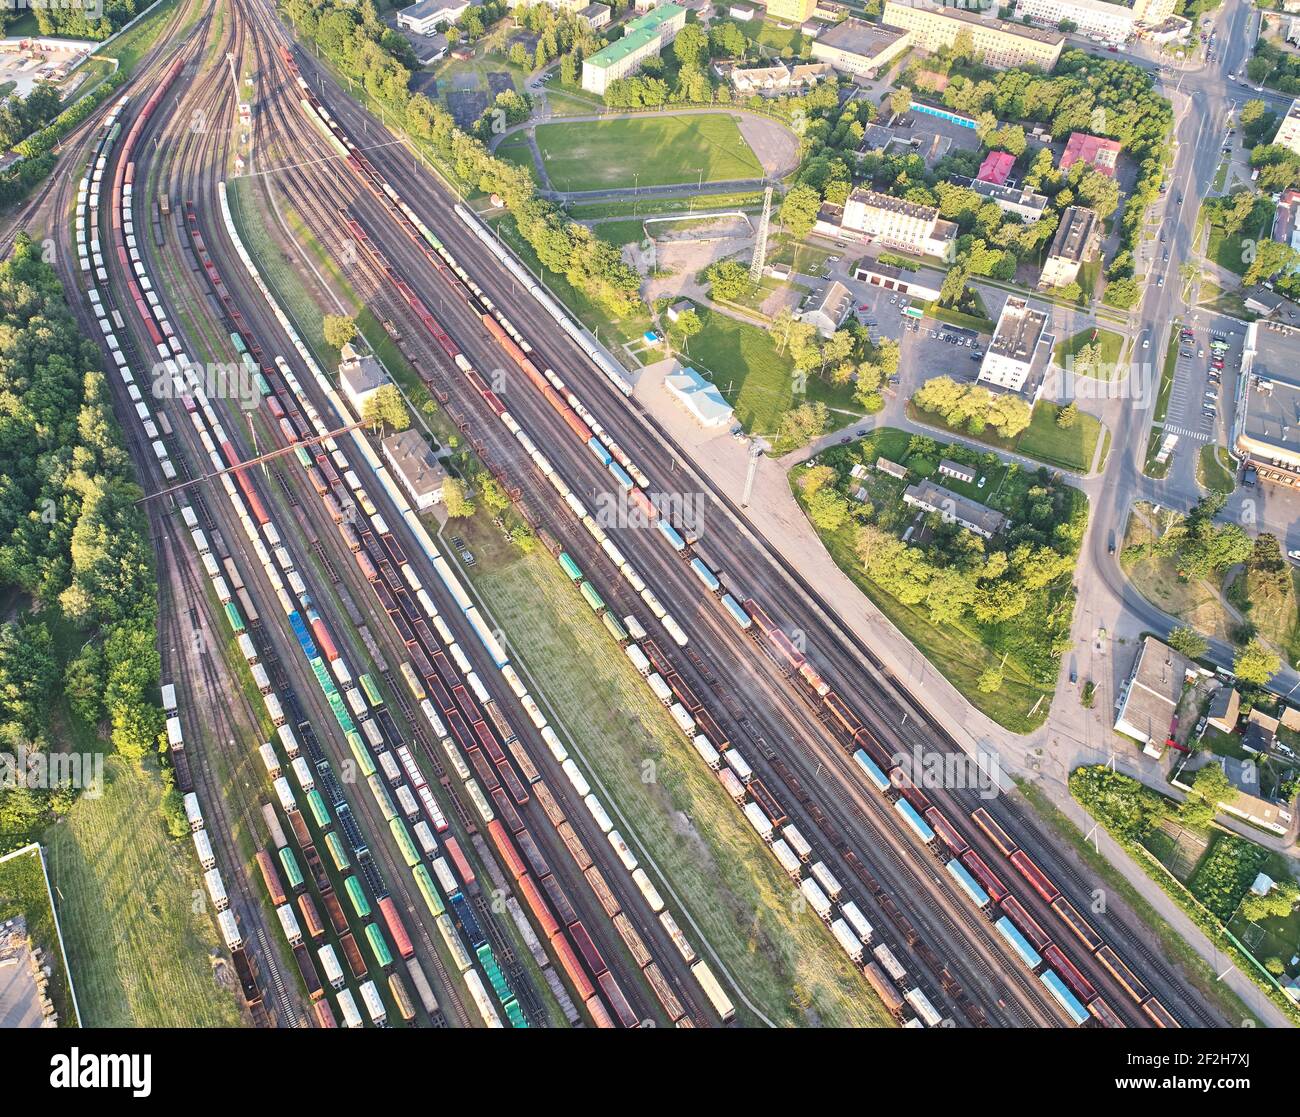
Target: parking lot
x: 1200, y: 402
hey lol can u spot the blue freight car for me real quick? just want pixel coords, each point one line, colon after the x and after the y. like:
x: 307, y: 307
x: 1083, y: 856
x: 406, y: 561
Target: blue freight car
x: 1019, y: 943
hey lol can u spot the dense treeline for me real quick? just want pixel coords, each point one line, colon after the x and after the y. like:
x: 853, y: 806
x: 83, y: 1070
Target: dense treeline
x: 21, y: 116
x: 80, y: 21
x: 358, y: 43
x: 75, y: 563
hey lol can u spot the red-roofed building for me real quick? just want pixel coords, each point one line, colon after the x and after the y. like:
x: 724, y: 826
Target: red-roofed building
x: 996, y: 167
x: 1102, y: 153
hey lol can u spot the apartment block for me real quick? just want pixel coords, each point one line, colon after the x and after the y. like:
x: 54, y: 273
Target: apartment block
x: 643, y: 38
x: 1076, y: 241
x: 1015, y: 357
x: 896, y: 223
x: 1002, y: 43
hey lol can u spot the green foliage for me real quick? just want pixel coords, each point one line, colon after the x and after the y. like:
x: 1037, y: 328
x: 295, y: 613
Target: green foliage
x: 973, y: 407
x: 386, y: 408
x: 1225, y: 873
x: 1124, y: 806
x: 366, y: 49
x: 801, y: 425
x: 1188, y: 642
x: 456, y: 499
x: 1256, y: 663
x: 729, y: 279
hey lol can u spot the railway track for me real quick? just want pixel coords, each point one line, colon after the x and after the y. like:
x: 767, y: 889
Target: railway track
x: 540, y: 498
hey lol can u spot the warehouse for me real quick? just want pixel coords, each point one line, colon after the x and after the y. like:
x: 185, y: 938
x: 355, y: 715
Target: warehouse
x: 1266, y: 431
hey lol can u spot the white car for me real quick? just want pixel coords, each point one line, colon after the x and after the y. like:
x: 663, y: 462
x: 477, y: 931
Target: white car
x: 1146, y: 343
x: 1294, y: 556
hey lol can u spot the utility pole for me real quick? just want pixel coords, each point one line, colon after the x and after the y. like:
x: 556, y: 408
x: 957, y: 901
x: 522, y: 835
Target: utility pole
x: 755, y: 452
x: 760, y: 245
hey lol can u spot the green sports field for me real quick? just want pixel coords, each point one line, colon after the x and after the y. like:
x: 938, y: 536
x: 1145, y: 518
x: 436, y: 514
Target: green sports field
x: 650, y: 151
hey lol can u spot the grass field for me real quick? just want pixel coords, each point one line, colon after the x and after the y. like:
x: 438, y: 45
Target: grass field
x: 1042, y: 440
x: 1111, y: 344
x: 139, y: 935
x: 518, y: 152
x: 1232, y: 252
x: 649, y: 151
x: 756, y: 379
x: 23, y: 892
x: 720, y: 873
x: 1215, y: 470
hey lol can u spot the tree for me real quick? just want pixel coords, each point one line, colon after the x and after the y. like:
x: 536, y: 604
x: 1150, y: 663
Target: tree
x: 688, y: 324
x: 900, y: 101
x: 801, y: 425
x: 1277, y: 903
x: 827, y: 509
x: 990, y: 680
x: 338, y: 330
x: 691, y: 46
x: 1256, y: 663
x: 386, y: 408
x: 1068, y: 416
x: 456, y: 499
x: 729, y: 279
x: 494, y: 497
x: 799, y: 210
x: 1187, y: 641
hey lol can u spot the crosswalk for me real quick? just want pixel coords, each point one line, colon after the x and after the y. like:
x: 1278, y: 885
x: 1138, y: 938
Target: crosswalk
x: 1183, y: 432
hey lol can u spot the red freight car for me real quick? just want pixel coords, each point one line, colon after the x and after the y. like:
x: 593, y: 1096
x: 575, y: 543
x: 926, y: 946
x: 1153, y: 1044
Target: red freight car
x: 1038, y: 880
x: 947, y: 831
x: 400, y: 938
x: 334, y: 909
x: 324, y: 1015
x: 587, y: 948
x: 463, y: 870
x: 569, y: 963
x: 506, y: 848
x: 981, y: 872
x: 541, y: 911
x: 353, y: 954
x: 1080, y: 926
x: 1026, y: 923
x: 618, y: 1002
x: 271, y: 878
x: 1069, y: 973
x: 310, y: 916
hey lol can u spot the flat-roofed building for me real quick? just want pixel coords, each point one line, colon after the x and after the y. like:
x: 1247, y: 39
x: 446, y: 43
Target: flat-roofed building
x: 854, y: 46
x: 1020, y: 200
x: 1077, y: 239
x: 643, y: 38
x: 1101, y: 152
x: 1016, y: 356
x: 1288, y: 131
x: 1003, y: 44
x: 425, y: 17
x: 742, y: 12
x: 1111, y: 22
x: 416, y: 464
x: 955, y: 509
x: 1266, y: 422
x: 791, y: 11
x: 897, y: 223
x: 1150, y: 696
x: 892, y: 278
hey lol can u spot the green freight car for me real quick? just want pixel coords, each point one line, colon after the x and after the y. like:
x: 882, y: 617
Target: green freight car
x: 238, y: 343
x: 362, y: 756
x: 410, y: 854
x: 304, y: 458
x: 337, y: 853
x: 570, y: 567
x: 515, y: 1014
x: 291, y: 871
x: 319, y: 812
x: 593, y: 598
x: 371, y: 691
x: 341, y: 714
x: 615, y: 629
x: 378, y: 947
x: 382, y: 798
x: 432, y: 897
x: 234, y: 619
x: 495, y: 977
x: 357, y: 895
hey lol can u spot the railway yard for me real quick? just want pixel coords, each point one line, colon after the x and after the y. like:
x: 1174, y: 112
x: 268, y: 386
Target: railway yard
x: 392, y: 819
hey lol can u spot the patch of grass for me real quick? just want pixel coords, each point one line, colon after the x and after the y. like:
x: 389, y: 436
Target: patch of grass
x: 1230, y: 252
x: 141, y: 952
x: 620, y: 233
x: 1275, y: 615
x: 736, y: 894
x: 649, y: 151
x: 757, y: 380
x: 520, y: 153
x: 132, y: 46
x: 1110, y: 343
x: 1197, y: 603
x: 1214, y: 469
x: 1043, y: 440
x: 1046, y: 441
x: 958, y: 318
x: 23, y: 892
